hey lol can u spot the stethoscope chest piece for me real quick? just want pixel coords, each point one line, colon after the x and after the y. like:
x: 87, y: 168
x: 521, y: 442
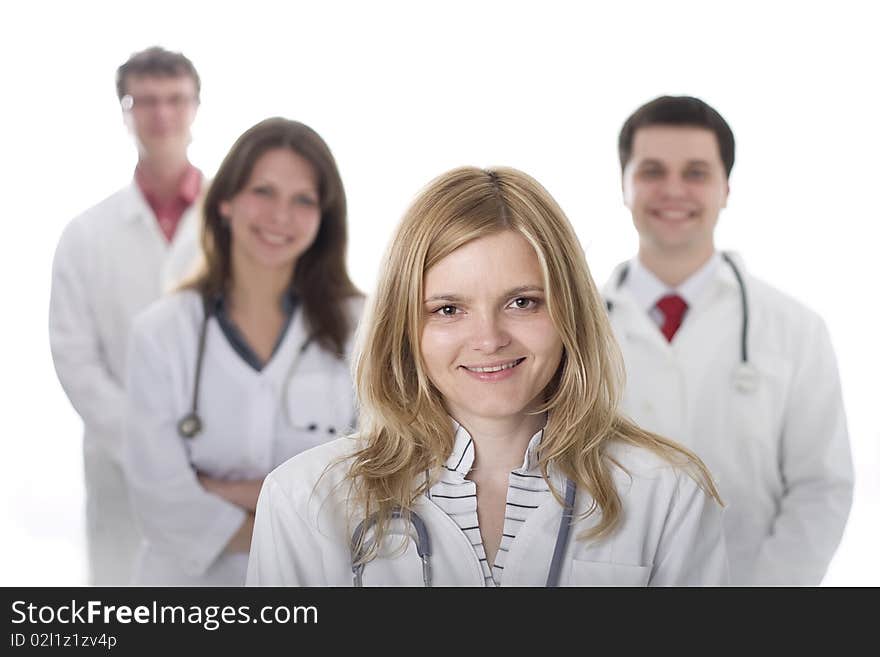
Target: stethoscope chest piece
x: 189, y: 426
x: 745, y: 378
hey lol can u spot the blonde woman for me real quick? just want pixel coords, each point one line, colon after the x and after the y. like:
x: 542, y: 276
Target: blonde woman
x: 491, y: 450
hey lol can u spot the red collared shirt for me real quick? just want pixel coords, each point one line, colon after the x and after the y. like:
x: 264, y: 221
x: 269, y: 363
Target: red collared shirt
x: 168, y: 213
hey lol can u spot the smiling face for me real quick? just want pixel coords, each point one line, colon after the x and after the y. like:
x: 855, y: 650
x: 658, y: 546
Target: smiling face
x: 275, y: 217
x: 675, y: 185
x: 160, y: 111
x: 488, y: 343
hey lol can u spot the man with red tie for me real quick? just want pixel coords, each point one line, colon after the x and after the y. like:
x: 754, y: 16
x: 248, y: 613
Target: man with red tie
x: 721, y: 361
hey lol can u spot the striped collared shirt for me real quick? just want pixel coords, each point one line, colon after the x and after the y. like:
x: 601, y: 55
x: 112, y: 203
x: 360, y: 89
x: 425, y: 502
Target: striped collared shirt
x: 457, y: 496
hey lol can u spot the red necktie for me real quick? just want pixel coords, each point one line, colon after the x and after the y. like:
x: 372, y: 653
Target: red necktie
x: 673, y: 307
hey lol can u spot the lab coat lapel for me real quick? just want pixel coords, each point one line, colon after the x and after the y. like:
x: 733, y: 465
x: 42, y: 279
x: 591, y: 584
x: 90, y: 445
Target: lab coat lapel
x: 531, y: 554
x: 177, y: 258
x: 183, y: 254
x: 291, y: 351
x: 719, y: 293
x: 453, y: 560
x: 137, y: 211
x: 631, y: 321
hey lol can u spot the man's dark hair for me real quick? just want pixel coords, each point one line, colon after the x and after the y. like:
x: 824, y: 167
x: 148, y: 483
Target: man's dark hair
x: 677, y: 111
x: 159, y: 62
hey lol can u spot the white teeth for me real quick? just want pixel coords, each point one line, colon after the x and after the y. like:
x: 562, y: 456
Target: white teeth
x: 674, y: 215
x: 497, y: 368
x: 274, y: 238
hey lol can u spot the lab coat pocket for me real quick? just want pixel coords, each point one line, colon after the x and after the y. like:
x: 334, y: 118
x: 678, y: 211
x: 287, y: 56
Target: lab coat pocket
x: 319, y: 407
x: 755, y: 414
x: 595, y: 573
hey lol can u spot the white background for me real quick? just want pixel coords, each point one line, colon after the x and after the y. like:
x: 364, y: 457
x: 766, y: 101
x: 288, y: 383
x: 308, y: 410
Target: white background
x: 402, y: 92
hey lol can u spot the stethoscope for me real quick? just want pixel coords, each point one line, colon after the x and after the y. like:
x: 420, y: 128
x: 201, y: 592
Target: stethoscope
x: 190, y: 425
x: 745, y: 377
x: 423, y: 541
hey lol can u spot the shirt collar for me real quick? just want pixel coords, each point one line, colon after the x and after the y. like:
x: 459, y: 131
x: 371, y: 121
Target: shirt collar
x: 289, y: 302
x: 647, y: 289
x: 461, y: 460
x: 188, y: 187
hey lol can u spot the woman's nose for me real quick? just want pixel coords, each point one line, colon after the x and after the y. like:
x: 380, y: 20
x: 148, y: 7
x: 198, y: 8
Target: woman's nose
x: 489, y: 335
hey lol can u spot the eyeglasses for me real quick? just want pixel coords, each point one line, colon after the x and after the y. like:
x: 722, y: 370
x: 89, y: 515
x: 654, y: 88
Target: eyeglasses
x: 148, y: 103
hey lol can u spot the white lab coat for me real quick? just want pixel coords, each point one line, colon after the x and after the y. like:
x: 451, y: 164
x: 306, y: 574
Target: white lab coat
x: 246, y: 432
x: 780, y: 453
x: 112, y: 261
x: 670, y: 533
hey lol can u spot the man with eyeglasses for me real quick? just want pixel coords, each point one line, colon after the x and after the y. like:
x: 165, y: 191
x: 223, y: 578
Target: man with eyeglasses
x: 112, y: 261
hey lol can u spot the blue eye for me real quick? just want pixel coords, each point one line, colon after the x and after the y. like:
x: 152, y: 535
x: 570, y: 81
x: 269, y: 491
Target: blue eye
x: 695, y: 174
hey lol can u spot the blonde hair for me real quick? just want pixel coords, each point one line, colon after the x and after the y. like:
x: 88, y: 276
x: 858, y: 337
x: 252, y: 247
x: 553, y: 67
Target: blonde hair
x: 405, y: 428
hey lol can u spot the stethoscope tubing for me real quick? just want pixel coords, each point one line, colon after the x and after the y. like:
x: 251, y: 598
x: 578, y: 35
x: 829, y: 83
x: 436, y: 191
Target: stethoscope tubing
x: 744, y: 348
x: 423, y: 541
x: 190, y: 425
x: 744, y: 327
x: 565, y: 524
